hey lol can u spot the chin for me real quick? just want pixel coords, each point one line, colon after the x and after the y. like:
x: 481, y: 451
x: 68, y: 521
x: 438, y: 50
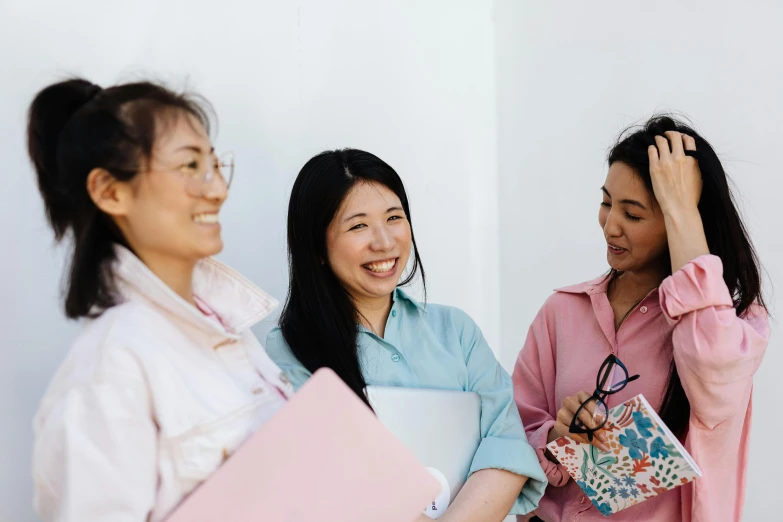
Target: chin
x: 618, y: 266
x: 211, y: 250
x: 381, y: 290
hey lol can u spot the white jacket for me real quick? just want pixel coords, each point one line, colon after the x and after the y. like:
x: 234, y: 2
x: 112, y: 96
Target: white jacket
x: 153, y: 397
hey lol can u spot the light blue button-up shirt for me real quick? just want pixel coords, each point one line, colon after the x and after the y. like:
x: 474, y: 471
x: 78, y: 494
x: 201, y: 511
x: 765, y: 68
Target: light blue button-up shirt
x: 440, y: 347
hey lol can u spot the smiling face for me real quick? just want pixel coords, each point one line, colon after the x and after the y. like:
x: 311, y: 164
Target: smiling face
x: 164, y: 216
x: 368, y: 242
x: 632, y: 222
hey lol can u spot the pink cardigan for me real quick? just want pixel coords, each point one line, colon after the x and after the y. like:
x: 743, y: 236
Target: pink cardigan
x: 690, y: 316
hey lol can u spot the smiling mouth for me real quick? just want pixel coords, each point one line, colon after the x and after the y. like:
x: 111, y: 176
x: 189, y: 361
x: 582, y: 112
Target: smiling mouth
x: 614, y: 249
x: 381, y: 267
x: 207, y: 218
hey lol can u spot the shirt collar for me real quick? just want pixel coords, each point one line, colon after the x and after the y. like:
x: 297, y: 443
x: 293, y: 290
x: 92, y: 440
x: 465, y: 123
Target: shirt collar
x: 594, y: 286
x: 599, y: 285
x: 399, y: 294
x: 237, y: 301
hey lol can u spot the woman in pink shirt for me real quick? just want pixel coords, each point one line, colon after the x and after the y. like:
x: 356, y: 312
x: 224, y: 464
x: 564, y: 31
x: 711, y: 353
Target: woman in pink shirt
x: 681, y: 306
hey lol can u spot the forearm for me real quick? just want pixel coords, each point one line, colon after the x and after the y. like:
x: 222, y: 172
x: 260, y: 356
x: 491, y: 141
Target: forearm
x: 685, y: 232
x: 487, y: 496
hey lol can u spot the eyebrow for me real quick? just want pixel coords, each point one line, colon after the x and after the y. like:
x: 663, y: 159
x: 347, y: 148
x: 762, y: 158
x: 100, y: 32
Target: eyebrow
x: 195, y: 148
x: 362, y: 214
x: 626, y: 201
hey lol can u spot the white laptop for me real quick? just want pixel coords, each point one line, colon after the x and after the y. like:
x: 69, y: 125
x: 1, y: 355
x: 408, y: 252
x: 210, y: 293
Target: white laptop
x: 442, y: 428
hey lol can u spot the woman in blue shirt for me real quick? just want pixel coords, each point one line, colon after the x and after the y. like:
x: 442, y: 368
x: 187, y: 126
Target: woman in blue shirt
x: 349, y: 241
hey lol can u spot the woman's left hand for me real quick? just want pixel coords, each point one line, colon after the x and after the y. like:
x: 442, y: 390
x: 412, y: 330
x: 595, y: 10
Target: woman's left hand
x: 676, y: 178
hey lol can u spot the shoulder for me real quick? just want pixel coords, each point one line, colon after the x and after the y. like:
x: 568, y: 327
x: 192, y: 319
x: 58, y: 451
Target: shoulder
x: 446, y: 311
x: 277, y: 348
x: 113, y: 342
x: 439, y: 315
x: 275, y: 339
x: 104, y: 355
x: 576, y: 293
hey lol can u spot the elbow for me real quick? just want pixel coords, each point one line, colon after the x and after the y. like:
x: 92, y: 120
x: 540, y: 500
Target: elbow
x: 714, y: 405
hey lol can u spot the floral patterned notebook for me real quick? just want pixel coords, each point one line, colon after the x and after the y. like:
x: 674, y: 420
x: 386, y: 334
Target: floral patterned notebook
x: 646, y: 459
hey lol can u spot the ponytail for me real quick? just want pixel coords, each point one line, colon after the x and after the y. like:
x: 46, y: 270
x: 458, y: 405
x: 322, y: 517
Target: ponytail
x: 73, y: 128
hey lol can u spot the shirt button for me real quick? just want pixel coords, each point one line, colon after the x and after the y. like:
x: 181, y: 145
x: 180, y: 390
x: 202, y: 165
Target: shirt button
x: 258, y: 391
x: 284, y: 378
x: 643, y: 309
x: 394, y: 313
x: 395, y: 358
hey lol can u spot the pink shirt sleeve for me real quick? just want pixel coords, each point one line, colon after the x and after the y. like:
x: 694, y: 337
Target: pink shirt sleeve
x: 534, y: 391
x: 716, y: 352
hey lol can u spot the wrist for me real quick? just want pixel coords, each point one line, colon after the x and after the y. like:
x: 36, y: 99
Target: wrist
x: 553, y: 434
x: 681, y: 215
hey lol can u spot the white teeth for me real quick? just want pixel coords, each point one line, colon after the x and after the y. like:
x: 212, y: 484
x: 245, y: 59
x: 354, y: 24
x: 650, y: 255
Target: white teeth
x: 380, y: 267
x: 209, y: 219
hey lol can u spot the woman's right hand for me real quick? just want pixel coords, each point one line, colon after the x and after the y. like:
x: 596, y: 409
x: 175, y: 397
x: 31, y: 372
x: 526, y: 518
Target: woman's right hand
x: 566, y: 414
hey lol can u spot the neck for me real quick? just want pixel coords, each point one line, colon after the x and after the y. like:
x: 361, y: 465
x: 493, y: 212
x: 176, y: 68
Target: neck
x: 637, y: 284
x: 176, y: 273
x: 374, y: 312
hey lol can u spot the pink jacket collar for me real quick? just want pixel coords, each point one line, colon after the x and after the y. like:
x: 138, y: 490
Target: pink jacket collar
x: 237, y: 301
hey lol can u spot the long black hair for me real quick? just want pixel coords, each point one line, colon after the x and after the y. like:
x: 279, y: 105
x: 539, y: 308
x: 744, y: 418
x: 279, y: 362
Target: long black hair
x: 319, y: 319
x: 74, y: 127
x: 726, y: 235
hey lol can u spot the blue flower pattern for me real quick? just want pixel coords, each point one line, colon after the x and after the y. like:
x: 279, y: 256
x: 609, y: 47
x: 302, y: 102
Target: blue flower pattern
x: 590, y: 492
x: 604, y: 508
x: 658, y: 449
x: 635, y: 445
x: 635, y: 441
x: 643, y: 424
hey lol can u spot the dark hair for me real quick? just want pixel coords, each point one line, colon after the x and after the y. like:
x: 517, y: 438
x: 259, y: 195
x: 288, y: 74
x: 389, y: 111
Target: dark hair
x: 319, y: 320
x: 726, y: 235
x: 74, y: 127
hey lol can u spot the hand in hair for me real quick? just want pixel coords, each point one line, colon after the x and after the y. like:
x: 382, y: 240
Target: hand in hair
x: 676, y: 178
x: 677, y: 185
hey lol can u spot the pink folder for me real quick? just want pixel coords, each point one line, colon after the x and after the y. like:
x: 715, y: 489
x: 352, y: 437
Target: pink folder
x: 323, y: 457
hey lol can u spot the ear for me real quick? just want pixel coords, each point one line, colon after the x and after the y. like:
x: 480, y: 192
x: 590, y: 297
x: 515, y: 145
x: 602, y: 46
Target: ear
x: 109, y: 194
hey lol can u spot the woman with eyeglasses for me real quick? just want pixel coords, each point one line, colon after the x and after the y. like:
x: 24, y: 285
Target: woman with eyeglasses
x: 681, y: 306
x: 349, y: 241
x: 165, y: 379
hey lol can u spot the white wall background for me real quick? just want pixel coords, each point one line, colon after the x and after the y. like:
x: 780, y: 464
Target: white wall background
x: 412, y: 82
x: 569, y: 79
x: 496, y: 115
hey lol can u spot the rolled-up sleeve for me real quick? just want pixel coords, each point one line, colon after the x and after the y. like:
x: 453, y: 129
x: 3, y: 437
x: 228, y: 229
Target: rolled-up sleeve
x: 716, y: 352
x: 95, y: 453
x: 279, y: 351
x: 504, y: 444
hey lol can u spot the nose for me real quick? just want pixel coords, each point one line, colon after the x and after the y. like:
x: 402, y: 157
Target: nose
x: 612, y: 226
x: 216, y: 189
x: 382, y: 239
